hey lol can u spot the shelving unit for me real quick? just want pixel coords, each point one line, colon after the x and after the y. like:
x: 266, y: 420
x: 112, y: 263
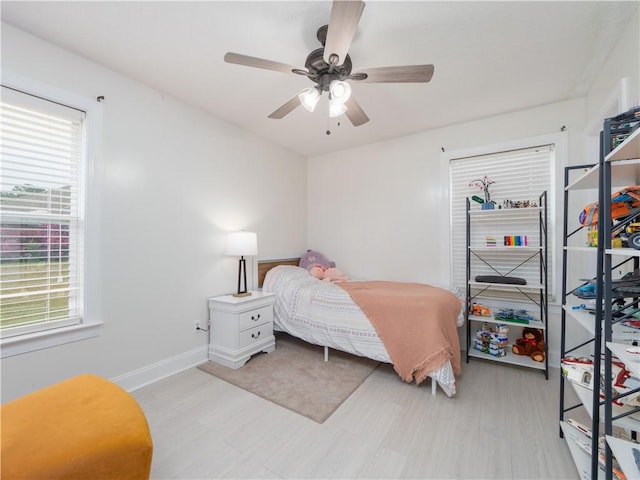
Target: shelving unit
x: 607, y: 337
x: 503, y: 261
x: 621, y: 167
x: 586, y: 464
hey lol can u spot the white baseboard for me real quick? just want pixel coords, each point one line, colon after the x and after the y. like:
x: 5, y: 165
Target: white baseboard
x: 163, y: 369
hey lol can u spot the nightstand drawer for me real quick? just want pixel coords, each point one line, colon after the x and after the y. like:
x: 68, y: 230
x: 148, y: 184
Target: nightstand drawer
x: 254, y: 335
x: 256, y: 317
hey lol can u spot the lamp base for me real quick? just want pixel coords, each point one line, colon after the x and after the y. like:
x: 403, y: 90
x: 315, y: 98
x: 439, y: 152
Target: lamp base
x: 242, y: 275
x: 243, y: 294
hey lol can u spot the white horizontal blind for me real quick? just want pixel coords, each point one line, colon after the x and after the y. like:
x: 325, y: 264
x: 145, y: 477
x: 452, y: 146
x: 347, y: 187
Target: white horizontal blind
x: 519, y: 175
x: 41, y: 150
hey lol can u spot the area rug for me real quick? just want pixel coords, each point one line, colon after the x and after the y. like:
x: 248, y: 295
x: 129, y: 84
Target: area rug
x: 295, y: 376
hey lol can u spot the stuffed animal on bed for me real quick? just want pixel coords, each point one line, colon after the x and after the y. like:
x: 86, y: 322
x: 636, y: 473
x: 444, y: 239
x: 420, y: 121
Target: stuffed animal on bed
x: 331, y: 274
x: 334, y: 274
x: 312, y: 258
x: 531, y: 344
x: 316, y: 271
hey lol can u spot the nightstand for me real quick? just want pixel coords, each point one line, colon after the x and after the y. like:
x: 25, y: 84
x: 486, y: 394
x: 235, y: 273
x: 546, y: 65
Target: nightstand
x: 240, y: 327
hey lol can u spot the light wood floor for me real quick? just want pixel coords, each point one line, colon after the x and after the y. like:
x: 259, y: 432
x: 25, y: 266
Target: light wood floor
x: 502, y: 423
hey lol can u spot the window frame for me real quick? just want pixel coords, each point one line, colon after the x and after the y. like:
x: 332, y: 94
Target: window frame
x: 90, y: 325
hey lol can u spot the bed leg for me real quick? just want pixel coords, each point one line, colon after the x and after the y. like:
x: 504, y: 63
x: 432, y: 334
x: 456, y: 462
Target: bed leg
x: 326, y: 354
x: 434, y: 386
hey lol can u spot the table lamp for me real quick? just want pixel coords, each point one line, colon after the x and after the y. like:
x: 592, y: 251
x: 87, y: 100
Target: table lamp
x: 242, y: 244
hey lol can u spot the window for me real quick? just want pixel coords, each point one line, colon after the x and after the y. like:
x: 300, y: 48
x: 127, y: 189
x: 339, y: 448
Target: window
x: 48, y: 142
x: 519, y: 174
x: 41, y: 251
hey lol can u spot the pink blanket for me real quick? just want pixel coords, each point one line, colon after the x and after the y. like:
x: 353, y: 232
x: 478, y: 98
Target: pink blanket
x: 416, y: 323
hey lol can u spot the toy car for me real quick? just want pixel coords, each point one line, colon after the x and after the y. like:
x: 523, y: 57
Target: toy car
x: 624, y: 203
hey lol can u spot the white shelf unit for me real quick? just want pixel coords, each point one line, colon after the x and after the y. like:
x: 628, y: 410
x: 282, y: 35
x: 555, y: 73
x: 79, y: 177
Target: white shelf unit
x: 586, y: 464
x: 501, y: 260
x: 620, y: 168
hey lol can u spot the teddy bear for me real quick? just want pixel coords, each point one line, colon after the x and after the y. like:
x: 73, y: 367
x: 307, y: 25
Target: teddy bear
x: 531, y: 344
x: 331, y: 274
x: 316, y: 271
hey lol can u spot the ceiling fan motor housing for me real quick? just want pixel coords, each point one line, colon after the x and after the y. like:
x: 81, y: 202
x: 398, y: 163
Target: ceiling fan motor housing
x: 322, y: 73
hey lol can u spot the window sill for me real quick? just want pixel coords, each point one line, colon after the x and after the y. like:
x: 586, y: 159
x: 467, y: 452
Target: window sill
x: 49, y: 338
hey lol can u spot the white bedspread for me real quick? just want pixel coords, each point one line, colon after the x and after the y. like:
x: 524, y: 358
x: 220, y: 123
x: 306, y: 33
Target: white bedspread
x: 324, y: 314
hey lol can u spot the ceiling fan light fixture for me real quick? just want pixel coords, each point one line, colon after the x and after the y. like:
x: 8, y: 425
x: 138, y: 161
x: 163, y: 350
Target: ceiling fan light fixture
x: 336, y: 108
x: 340, y: 91
x: 309, y: 98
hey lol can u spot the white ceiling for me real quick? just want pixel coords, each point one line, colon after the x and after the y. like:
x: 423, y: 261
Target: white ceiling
x: 490, y: 57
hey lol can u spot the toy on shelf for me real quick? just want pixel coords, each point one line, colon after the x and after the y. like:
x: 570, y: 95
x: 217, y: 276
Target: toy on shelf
x: 592, y: 237
x: 482, y: 184
x: 492, y: 342
x: 625, y: 397
x: 511, y: 315
x: 480, y: 310
x: 518, y: 204
x: 491, y: 242
x: 516, y: 241
x: 625, y: 208
x: 531, y: 344
x: 625, y: 124
x: 578, y: 370
x: 631, y: 235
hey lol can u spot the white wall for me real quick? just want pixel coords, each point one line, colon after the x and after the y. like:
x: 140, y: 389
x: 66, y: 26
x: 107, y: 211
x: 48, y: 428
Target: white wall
x: 173, y: 181
x: 380, y: 210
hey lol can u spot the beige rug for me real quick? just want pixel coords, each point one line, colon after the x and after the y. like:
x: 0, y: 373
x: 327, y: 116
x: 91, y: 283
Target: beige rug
x: 295, y: 376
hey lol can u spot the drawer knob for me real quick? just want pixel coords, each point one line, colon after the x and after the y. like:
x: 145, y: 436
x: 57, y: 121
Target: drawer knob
x: 256, y: 318
x: 253, y: 335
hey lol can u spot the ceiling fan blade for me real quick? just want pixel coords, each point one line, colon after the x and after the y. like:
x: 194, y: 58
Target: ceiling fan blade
x: 406, y: 74
x: 286, y: 108
x: 248, y: 61
x: 354, y: 113
x: 345, y: 15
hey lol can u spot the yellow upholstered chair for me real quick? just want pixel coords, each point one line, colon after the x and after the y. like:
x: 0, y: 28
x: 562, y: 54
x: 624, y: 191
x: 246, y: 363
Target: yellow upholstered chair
x: 83, y: 428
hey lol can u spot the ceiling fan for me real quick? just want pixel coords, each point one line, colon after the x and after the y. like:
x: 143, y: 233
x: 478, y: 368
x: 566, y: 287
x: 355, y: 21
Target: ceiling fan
x: 330, y: 66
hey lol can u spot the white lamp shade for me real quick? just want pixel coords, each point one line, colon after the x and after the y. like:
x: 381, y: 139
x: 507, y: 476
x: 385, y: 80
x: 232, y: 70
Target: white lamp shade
x: 336, y: 108
x: 242, y: 244
x: 340, y: 91
x: 309, y: 98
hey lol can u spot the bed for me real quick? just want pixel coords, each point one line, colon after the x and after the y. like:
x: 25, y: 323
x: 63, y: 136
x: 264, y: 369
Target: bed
x: 333, y: 315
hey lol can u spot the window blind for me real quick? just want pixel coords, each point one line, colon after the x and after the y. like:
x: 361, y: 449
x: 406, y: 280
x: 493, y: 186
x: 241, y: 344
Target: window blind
x: 41, y: 151
x: 519, y: 175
